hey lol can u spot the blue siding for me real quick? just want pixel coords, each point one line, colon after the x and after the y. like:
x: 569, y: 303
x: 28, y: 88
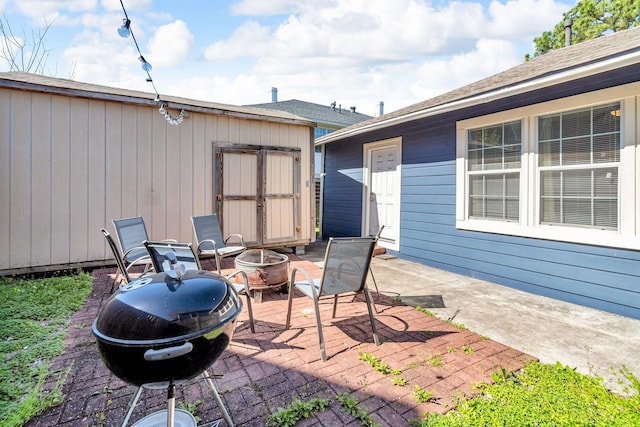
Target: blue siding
x: 342, y: 205
x: 598, y: 277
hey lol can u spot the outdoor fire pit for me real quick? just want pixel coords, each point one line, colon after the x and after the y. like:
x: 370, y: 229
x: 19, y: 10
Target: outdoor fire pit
x: 265, y: 269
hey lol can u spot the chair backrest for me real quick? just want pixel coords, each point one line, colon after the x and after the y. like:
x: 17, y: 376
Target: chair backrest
x: 131, y: 232
x: 346, y: 264
x: 116, y: 255
x: 207, y: 227
x: 183, y: 253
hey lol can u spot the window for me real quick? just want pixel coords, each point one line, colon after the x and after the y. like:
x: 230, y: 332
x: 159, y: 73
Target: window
x: 493, y: 155
x: 563, y: 170
x: 578, y: 156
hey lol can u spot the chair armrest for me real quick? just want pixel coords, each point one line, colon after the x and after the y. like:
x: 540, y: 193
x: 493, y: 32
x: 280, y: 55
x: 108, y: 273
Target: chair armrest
x: 213, y: 242
x: 237, y: 236
x: 307, y: 276
x: 245, y: 279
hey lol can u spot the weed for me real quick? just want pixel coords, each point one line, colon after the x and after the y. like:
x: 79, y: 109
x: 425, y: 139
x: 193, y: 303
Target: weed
x: 451, y: 349
x: 421, y: 395
x: 191, y: 407
x: 379, y: 365
x: 435, y: 360
x: 350, y: 406
x: 297, y: 410
x: 467, y: 349
x: 399, y: 381
x: 458, y: 326
x: 425, y: 311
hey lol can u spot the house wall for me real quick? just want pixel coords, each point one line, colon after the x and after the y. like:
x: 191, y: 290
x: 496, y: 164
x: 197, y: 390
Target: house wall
x: 69, y: 165
x: 605, y: 278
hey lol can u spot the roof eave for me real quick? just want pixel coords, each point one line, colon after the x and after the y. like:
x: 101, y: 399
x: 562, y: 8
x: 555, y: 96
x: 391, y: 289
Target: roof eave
x: 564, y: 76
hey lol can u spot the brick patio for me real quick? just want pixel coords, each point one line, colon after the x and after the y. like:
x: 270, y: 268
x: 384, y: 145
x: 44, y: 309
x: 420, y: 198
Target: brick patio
x: 268, y: 369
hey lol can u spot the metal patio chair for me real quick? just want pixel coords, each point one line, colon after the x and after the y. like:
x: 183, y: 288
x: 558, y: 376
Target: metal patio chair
x: 210, y: 241
x: 122, y: 274
x: 131, y: 233
x: 346, y: 264
x: 167, y: 256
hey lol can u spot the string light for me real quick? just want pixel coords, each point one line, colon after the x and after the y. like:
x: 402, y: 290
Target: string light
x: 125, y: 31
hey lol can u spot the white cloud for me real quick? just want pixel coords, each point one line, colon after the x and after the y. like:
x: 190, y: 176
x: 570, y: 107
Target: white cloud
x: 170, y: 45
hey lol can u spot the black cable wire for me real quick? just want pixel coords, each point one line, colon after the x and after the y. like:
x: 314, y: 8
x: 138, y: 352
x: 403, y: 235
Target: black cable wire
x: 141, y: 57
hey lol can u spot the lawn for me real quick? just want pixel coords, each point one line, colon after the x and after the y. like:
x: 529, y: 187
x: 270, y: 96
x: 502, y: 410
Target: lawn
x: 34, y: 317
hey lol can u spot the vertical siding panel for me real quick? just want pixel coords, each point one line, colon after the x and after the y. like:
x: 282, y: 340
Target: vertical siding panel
x: 97, y: 179
x: 201, y: 181
x: 5, y: 177
x: 60, y: 175
x: 158, y: 220
x: 186, y: 180
x: 172, y: 187
x: 113, y: 166
x: 19, y: 219
x: 78, y: 185
x: 128, y: 163
x: 143, y: 169
x: 41, y: 238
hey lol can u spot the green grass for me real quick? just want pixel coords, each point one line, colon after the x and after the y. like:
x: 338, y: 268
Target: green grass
x: 34, y: 317
x: 545, y: 395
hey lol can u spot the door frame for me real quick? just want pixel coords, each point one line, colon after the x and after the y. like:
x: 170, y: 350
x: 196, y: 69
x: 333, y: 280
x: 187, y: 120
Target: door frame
x: 367, y: 150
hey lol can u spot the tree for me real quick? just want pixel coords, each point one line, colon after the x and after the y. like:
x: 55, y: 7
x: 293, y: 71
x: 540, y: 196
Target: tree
x: 590, y: 19
x: 20, y: 54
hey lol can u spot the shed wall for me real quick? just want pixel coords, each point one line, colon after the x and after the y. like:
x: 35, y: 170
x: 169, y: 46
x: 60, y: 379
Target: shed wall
x: 69, y: 165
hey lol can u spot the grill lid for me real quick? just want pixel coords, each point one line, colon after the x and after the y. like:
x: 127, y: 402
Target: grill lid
x: 160, y: 309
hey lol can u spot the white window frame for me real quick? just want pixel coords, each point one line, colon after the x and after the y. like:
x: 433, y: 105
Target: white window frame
x: 628, y: 233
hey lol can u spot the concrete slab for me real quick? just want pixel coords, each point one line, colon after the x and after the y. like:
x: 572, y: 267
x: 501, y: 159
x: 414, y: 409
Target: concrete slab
x: 594, y: 342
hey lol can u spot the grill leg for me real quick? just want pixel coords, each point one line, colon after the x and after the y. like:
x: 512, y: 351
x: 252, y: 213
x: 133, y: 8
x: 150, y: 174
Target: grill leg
x: 216, y: 396
x: 132, y: 406
x: 171, y: 403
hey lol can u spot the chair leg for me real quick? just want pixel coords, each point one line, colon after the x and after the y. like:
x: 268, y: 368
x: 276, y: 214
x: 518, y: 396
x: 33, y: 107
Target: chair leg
x: 323, y: 352
x: 250, y: 310
x: 218, y: 258
x: 292, y: 289
x: 371, y: 319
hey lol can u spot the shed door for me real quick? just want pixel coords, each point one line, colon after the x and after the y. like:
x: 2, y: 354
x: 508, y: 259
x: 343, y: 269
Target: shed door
x: 258, y: 194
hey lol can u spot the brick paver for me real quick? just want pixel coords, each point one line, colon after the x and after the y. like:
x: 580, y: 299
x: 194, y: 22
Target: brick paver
x: 267, y: 370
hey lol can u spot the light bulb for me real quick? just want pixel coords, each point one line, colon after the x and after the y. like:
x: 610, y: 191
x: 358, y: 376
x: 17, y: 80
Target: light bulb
x: 145, y: 65
x: 125, y: 29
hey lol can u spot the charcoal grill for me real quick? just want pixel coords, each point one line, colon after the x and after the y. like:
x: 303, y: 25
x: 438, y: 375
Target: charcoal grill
x: 159, y: 331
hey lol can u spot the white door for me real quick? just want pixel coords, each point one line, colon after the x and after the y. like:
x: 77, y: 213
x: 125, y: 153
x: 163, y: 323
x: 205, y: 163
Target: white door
x: 382, y: 198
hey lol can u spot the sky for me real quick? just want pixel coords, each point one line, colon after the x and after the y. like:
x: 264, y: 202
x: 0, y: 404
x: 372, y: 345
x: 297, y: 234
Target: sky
x: 357, y: 53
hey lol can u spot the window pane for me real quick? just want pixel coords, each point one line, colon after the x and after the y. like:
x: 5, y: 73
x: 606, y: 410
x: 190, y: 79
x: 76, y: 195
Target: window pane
x: 576, y: 151
x: 606, y: 119
x: 606, y: 148
x: 577, y: 123
x: 549, y: 153
x: 493, y: 158
x: 549, y: 128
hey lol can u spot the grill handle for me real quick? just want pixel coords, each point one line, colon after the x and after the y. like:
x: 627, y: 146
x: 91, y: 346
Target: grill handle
x: 152, y: 355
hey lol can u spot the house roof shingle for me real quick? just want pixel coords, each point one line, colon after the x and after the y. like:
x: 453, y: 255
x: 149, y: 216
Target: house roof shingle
x: 320, y: 113
x: 552, y: 63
